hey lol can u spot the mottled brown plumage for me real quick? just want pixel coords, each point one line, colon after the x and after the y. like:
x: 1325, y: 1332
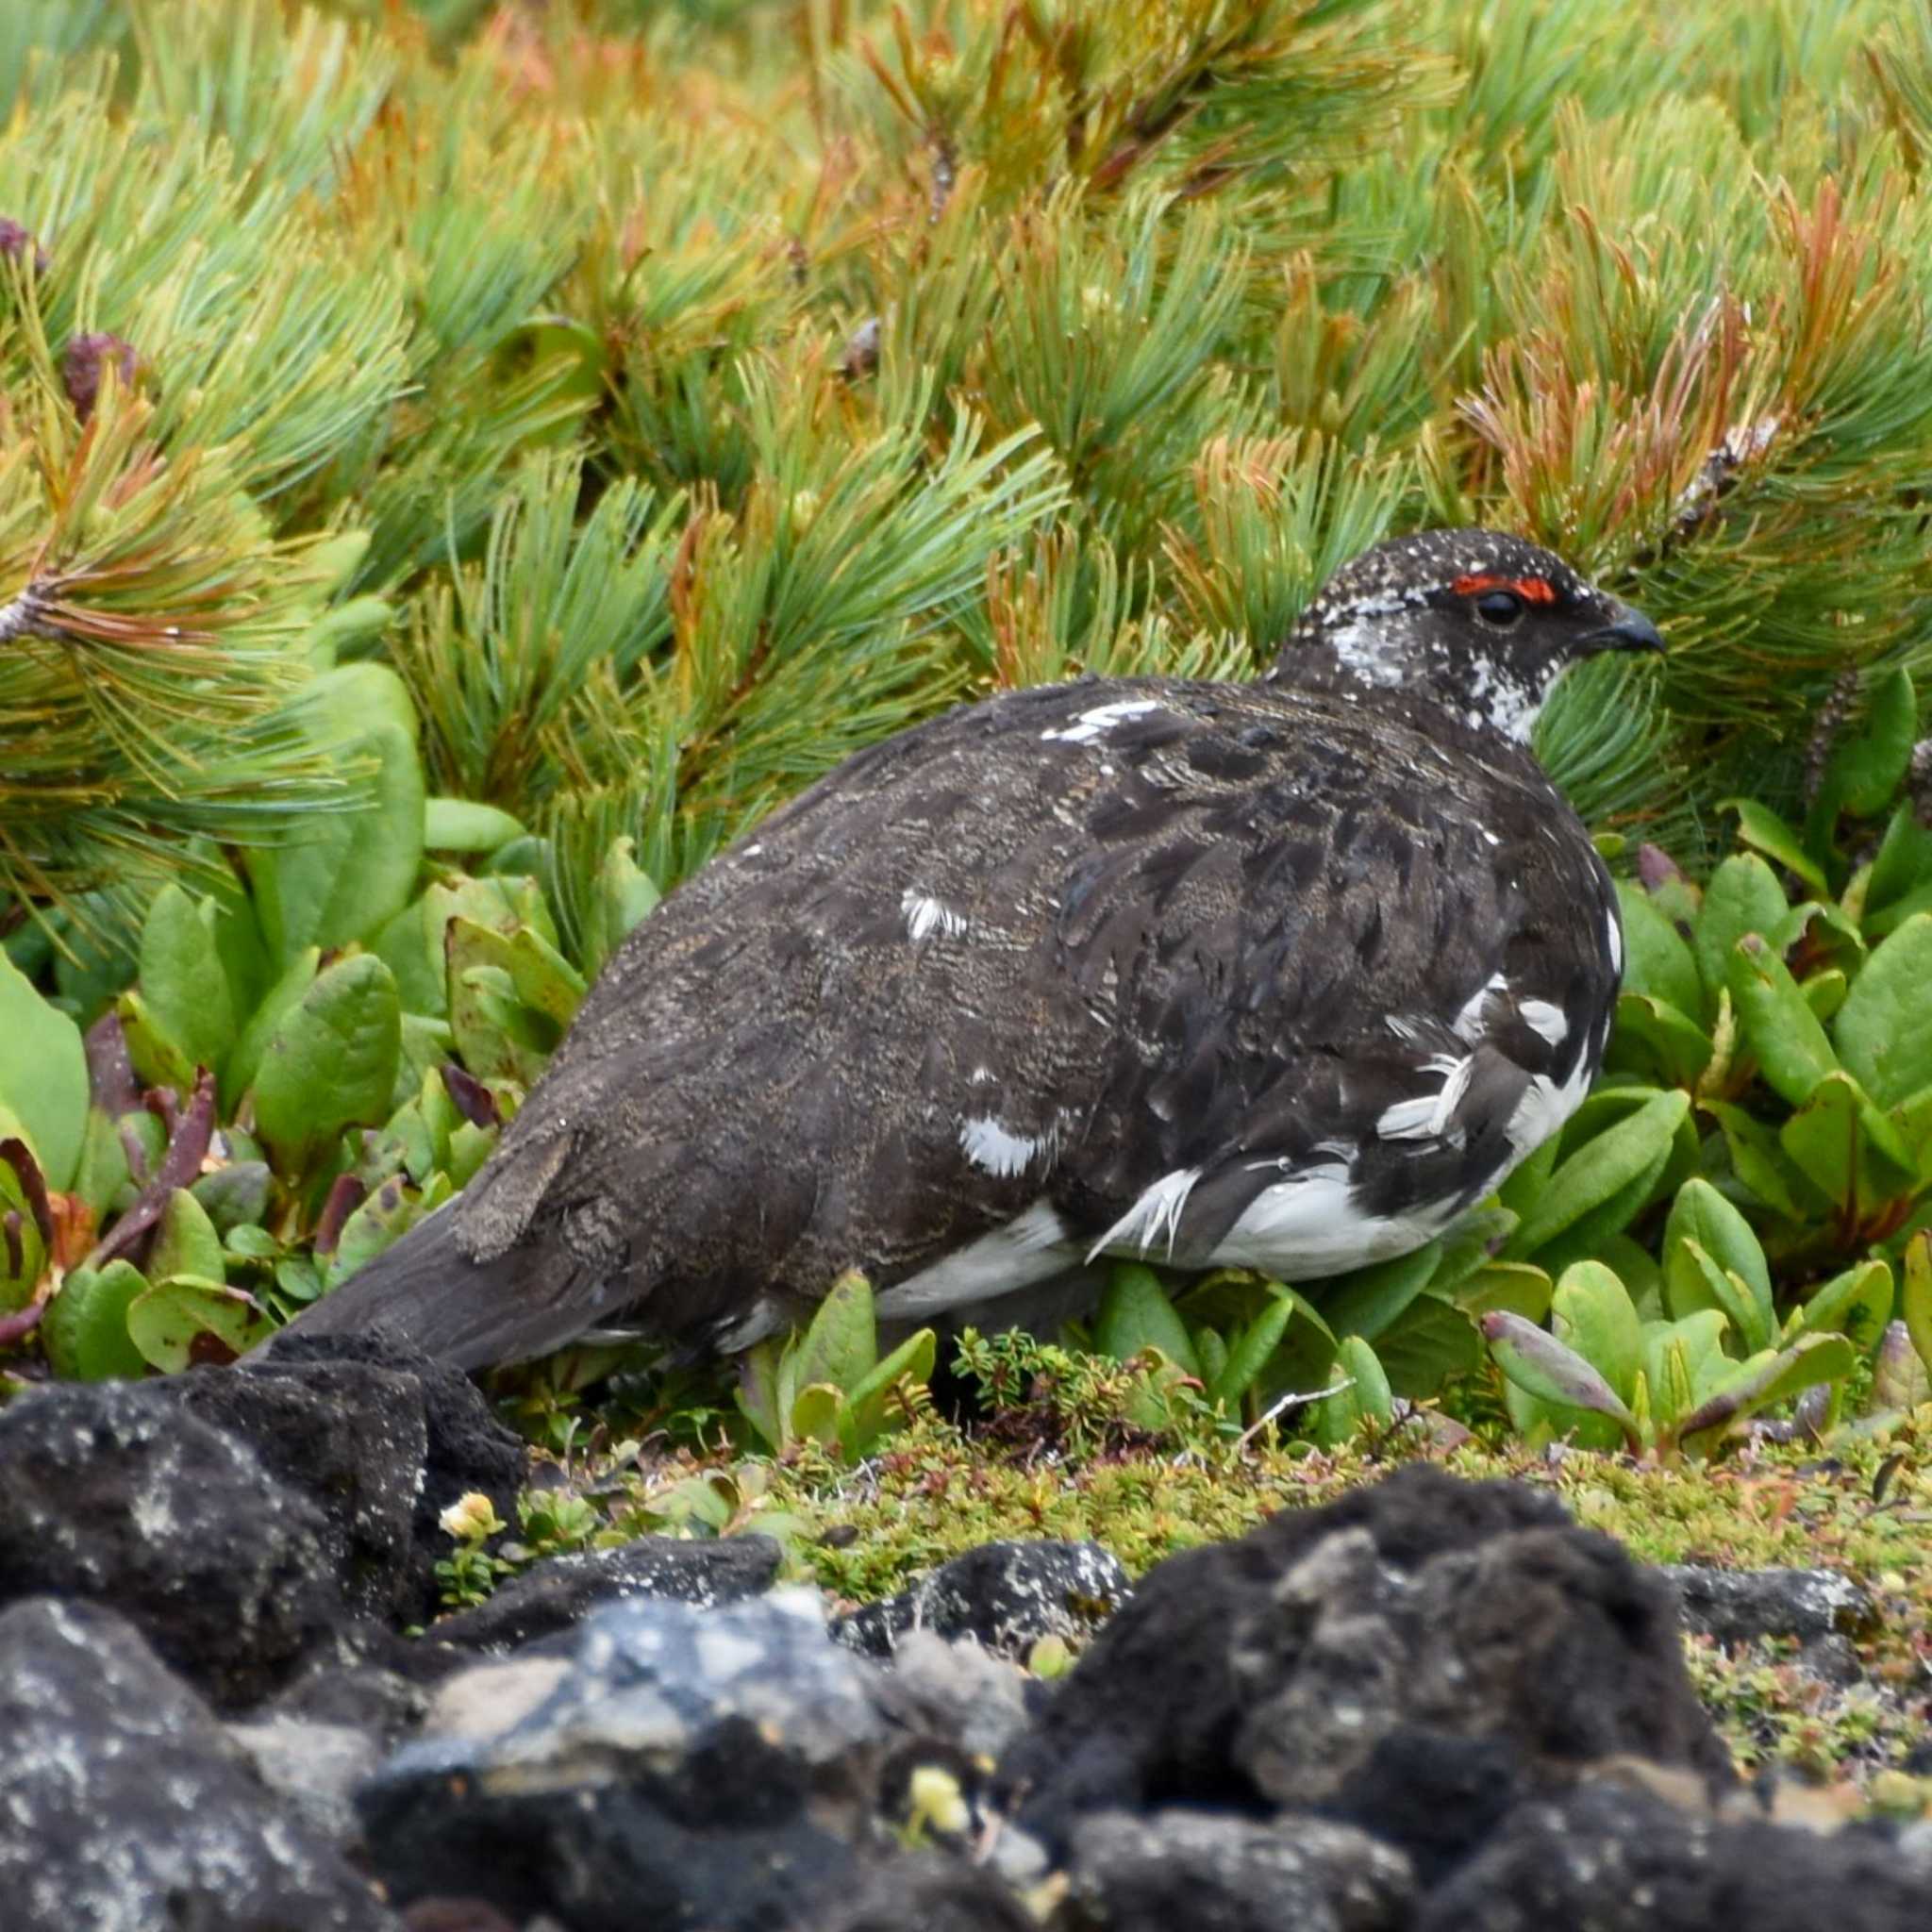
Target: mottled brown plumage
x: 1287, y: 973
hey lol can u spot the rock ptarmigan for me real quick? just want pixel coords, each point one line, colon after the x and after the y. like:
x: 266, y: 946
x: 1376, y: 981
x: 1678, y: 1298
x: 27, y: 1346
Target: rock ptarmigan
x: 1282, y: 975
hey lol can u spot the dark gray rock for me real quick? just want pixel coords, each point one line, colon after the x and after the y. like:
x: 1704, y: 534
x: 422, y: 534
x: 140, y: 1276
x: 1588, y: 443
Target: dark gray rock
x: 1742, y: 1606
x: 115, y: 1493
x: 1008, y: 1595
x: 1611, y: 1859
x: 371, y: 1444
x: 929, y: 1894
x: 956, y: 1690
x: 1215, y: 1872
x: 314, y: 1768
x: 685, y: 1766
x: 1408, y: 1658
x: 128, y: 1809
x: 561, y: 1590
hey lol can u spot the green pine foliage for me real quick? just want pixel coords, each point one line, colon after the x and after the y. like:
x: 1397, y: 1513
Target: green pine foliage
x: 460, y: 464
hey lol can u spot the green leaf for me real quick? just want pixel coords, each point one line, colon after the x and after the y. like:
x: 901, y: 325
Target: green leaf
x: 841, y: 1346
x: 865, y: 1412
x: 1541, y: 1366
x: 1881, y: 1031
x: 1780, y: 1029
x: 1866, y: 767
x: 1761, y: 828
x: 1371, y: 1401
x: 1591, y: 1312
x: 281, y: 998
x: 178, y: 1323
x: 1603, y: 1168
x: 1846, y: 1149
x: 1702, y: 1219
x: 1431, y: 1344
x: 85, y: 1329
x: 352, y: 870
x: 1367, y: 1300
x: 381, y: 1221
x: 1857, y: 1305
x: 186, y: 1242
x: 331, y: 1062
x: 1136, y: 1314
x: 1518, y: 1287
x: 1760, y: 1382
x: 1254, y: 1345
x: 461, y: 824
x: 1901, y: 870
x: 1915, y: 1294
x: 1657, y: 960
x: 511, y: 996
x: 1743, y: 896
x: 1684, y: 1362
x: 1756, y: 1157
x: 624, y: 894
x: 815, y: 1415
x: 1651, y: 1034
x: 184, y: 985
x: 757, y: 1392
x: 43, y: 1076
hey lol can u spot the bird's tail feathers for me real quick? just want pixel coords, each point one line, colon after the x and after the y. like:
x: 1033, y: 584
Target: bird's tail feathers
x: 424, y: 1290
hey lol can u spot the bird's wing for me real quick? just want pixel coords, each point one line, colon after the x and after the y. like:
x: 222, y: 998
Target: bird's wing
x: 1349, y: 967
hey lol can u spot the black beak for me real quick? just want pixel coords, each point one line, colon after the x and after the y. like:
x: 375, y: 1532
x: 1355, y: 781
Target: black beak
x: 1628, y: 629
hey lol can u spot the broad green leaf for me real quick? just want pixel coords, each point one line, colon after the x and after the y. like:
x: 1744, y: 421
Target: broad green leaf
x: 1657, y: 960
x: 1537, y: 1363
x: 1780, y: 1029
x: 186, y: 1242
x: 864, y: 1414
x: 1693, y: 1283
x: 1846, y: 1149
x: 1824, y: 992
x: 1857, y: 1305
x: 1369, y: 1299
x: 245, y: 1061
x: 1760, y: 1382
x: 1743, y: 896
x: 18, y: 1277
x: 1902, y: 869
x: 1760, y: 827
x: 1636, y: 1267
x: 43, y: 1075
x: 1683, y: 1362
x: 1702, y: 1215
x: 1517, y: 1286
x: 1604, y: 1167
x: 1137, y: 1314
x: 1591, y: 1312
x: 351, y: 870
x: 1756, y: 1158
x: 331, y: 1062
x: 382, y: 1220
x: 461, y: 824
x: 1431, y: 1343
x: 1252, y: 1347
x: 85, y: 1329
x: 1867, y: 766
x: 1371, y: 1399
x: 757, y: 1392
x: 1652, y: 1035
x: 1915, y: 1295
x: 179, y: 1322
x: 184, y: 985
x: 540, y: 977
x: 841, y: 1345
x: 815, y: 1412
x: 1882, y: 1030
x: 626, y: 894
x: 1901, y: 1378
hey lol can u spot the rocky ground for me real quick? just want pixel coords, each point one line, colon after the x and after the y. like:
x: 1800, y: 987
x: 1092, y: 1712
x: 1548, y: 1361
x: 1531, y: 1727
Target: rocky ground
x: 1433, y: 1704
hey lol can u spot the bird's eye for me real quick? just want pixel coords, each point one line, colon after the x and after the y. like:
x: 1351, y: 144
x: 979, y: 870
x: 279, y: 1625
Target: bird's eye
x: 1500, y: 608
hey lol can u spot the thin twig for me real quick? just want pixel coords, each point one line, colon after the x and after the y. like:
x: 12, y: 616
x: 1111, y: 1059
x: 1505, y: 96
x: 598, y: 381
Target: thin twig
x: 1288, y: 1401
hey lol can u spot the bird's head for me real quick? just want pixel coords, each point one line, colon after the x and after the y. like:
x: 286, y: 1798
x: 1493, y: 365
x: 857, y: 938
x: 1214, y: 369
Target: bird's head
x: 1477, y: 621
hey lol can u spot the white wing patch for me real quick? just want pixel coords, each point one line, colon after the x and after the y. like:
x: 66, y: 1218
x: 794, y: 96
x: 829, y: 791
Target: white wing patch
x: 1158, y: 1210
x: 1307, y: 1227
x: 1031, y: 1248
x: 1092, y: 725
x: 1542, y: 1017
x: 1545, y: 1106
x: 1468, y: 1025
x: 995, y: 1148
x: 925, y: 915
x: 1426, y: 1117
